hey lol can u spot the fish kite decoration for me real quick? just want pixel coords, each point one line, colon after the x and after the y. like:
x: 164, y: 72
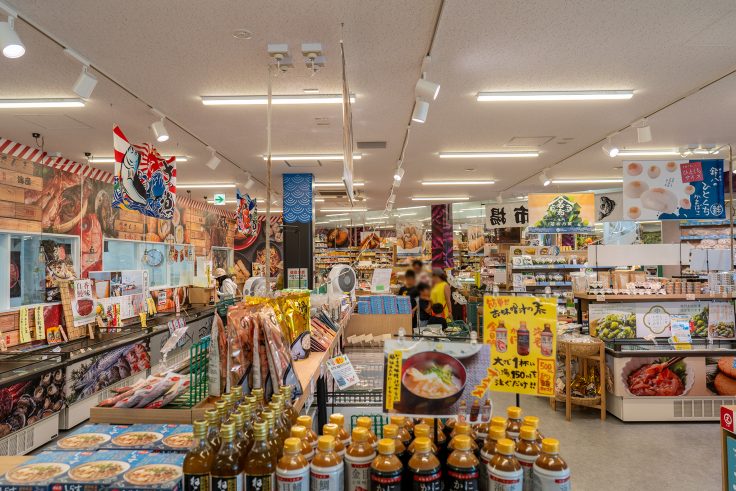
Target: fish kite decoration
x: 246, y: 215
x: 144, y: 181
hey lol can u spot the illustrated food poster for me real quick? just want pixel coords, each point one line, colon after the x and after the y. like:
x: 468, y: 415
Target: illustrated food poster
x: 673, y: 190
x: 568, y: 212
x: 437, y: 379
x: 522, y: 332
x: 408, y: 238
x: 82, y: 302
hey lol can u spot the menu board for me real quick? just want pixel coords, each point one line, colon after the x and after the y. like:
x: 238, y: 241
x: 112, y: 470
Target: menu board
x: 522, y: 332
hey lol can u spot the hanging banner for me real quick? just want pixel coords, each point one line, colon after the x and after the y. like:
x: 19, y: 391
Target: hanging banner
x: 144, y: 181
x: 609, y: 207
x: 408, y: 239
x: 568, y: 212
x: 522, y: 332
x: 503, y: 215
x: 673, y: 190
x: 246, y: 215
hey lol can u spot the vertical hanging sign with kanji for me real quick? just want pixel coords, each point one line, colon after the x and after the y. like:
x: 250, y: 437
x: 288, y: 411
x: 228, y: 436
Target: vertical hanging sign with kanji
x: 503, y: 215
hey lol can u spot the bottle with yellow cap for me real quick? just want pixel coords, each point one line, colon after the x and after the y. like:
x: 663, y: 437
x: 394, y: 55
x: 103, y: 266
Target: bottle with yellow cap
x: 527, y: 453
x: 367, y: 423
x: 273, y: 442
x: 292, y: 471
x: 441, y: 439
x: 386, y: 468
x: 392, y: 431
x: 422, y: 431
x: 239, y: 440
x: 504, y: 469
x: 332, y: 430
x: 533, y: 421
x: 496, y: 433
x: 260, y: 467
x: 339, y: 420
x: 300, y: 432
x: 425, y: 470
x: 278, y: 423
x: 409, y: 425
x: 463, y: 428
x: 213, y: 428
x: 326, y: 472
x: 227, y: 471
x: 400, y: 423
x: 462, y: 465
x: 198, y: 460
x: 513, y: 424
x: 551, y: 473
x: 306, y: 422
x: 358, y: 458
x: 289, y: 410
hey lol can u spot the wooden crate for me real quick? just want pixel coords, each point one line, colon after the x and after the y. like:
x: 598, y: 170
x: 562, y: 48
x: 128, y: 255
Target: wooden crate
x: 129, y: 215
x: 20, y: 225
x: 126, y: 226
x: 12, y: 193
x: 18, y: 165
x: 125, y: 416
x: 11, y: 209
x: 21, y: 180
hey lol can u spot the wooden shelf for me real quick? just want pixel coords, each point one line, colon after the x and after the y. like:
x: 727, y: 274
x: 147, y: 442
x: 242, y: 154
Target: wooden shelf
x: 639, y: 298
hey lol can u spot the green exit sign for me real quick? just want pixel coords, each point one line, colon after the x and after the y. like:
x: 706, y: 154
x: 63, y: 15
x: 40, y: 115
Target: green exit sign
x: 219, y: 199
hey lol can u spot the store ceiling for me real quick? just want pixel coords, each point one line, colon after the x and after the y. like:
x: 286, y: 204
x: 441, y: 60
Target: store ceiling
x: 170, y: 54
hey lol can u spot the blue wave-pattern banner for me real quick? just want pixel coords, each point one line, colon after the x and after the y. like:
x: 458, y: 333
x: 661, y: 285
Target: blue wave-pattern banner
x: 297, y: 198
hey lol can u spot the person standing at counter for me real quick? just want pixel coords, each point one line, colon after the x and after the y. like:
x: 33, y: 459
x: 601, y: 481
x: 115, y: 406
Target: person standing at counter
x: 441, y: 295
x: 225, y: 284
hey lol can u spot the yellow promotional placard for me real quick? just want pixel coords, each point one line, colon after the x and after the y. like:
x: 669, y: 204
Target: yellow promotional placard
x: 25, y: 330
x: 522, y: 332
x: 40, y: 327
x: 151, y: 306
x: 143, y: 317
x: 393, y: 379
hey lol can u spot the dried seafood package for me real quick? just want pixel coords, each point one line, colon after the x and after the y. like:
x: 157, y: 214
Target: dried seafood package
x: 278, y: 354
x: 218, y: 356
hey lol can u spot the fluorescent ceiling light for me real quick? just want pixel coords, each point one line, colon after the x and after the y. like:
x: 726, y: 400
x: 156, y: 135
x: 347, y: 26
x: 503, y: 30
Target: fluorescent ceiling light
x: 39, y: 103
x: 487, y: 155
x: 563, y: 95
x: 319, y: 200
x: 648, y: 153
x: 227, y: 201
x: 406, y: 214
x: 374, y: 221
x: 111, y: 160
x: 468, y: 209
x: 338, y: 210
x: 316, y: 156
x: 204, y: 186
x: 338, y: 215
x: 456, y: 183
x: 587, y: 181
x: 410, y: 208
x: 249, y: 100
x: 440, y: 198
x: 336, y: 184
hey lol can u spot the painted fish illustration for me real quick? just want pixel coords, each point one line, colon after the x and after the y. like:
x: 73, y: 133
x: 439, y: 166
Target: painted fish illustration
x: 606, y: 207
x: 129, y: 176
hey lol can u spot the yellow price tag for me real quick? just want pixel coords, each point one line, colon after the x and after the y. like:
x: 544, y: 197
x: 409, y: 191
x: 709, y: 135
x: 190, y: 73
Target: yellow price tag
x: 40, y: 327
x: 144, y: 318
x: 25, y: 330
x: 393, y: 379
x: 151, y: 306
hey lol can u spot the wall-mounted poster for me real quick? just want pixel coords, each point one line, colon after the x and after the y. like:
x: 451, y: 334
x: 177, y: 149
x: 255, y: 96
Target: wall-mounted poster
x: 504, y: 215
x: 609, y: 207
x: 370, y: 240
x: 673, y: 190
x: 59, y: 266
x: 408, y: 239
x: 564, y: 212
x: 338, y: 238
x: 82, y: 302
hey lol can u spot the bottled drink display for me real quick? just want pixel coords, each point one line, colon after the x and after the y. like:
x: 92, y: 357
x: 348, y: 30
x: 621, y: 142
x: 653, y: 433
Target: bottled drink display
x: 367, y: 423
x: 463, y: 428
x: 462, y: 465
x: 213, y: 429
x: 292, y: 471
x: 227, y: 470
x: 300, y: 432
x: 260, y: 465
x: 422, y: 431
x: 496, y: 433
x: 326, y: 470
x: 339, y: 420
x: 306, y: 422
x: 504, y: 470
x: 332, y: 430
x: 527, y: 453
x: 533, y: 421
x: 358, y: 458
x: 392, y: 432
x: 404, y: 434
x: 386, y: 468
x: 513, y: 424
x: 550, y: 471
x: 198, y: 461
x: 425, y: 470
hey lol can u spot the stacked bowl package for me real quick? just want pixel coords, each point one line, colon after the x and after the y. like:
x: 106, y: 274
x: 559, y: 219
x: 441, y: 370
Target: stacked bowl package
x: 159, y: 437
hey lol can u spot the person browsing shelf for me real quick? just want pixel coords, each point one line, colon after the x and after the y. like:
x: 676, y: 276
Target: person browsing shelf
x: 426, y: 314
x: 409, y: 289
x: 441, y: 294
x: 225, y: 284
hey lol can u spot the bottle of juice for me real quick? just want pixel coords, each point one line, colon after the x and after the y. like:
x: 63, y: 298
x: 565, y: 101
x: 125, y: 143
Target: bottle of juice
x: 550, y: 471
x: 333, y: 430
x: 213, y: 429
x: 273, y: 441
x: 522, y: 339
x: 260, y: 467
x: 400, y: 423
x: 547, y: 339
x: 386, y: 468
x: 227, y: 471
x: 495, y: 434
x: 367, y: 423
x: 533, y: 421
x: 339, y: 420
x: 326, y: 469
x: 300, y: 432
x: 441, y: 438
x: 527, y: 453
x: 502, y: 338
x: 424, y: 467
x: 504, y: 470
x: 198, y: 461
x: 392, y: 431
x: 279, y: 427
x: 292, y: 471
x: 422, y: 431
x: 306, y: 422
x: 463, y: 429
x: 513, y: 424
x: 462, y: 465
x: 358, y: 458
x: 289, y: 403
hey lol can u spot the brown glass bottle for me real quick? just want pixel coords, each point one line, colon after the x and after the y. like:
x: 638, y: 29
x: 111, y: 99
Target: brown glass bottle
x: 496, y: 433
x: 424, y: 467
x: 422, y: 431
x: 198, y: 460
x: 289, y: 409
x: 292, y: 471
x: 277, y: 406
x: 326, y: 471
x: 367, y: 423
x: 306, y: 422
x: 513, y: 424
x: 339, y: 420
x: 237, y: 396
x: 241, y: 442
x: 332, y: 430
x: 462, y: 465
x: 386, y: 468
x: 279, y: 428
x: 460, y: 430
x: 504, y: 470
x: 227, y: 471
x: 260, y: 466
x: 222, y: 415
x: 271, y: 436
x: 550, y: 471
x: 300, y: 432
x: 358, y: 458
x: 246, y: 412
x: 400, y: 423
x: 251, y: 401
x: 213, y: 429
x: 527, y: 453
x: 260, y: 402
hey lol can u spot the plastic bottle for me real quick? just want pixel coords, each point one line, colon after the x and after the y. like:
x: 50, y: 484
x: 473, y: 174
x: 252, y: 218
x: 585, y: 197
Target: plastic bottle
x: 386, y: 468
x: 527, y: 453
x: 400, y: 423
x: 522, y: 339
x: 339, y: 420
x: 504, y: 470
x: 367, y: 423
x: 358, y: 458
x: 424, y: 467
x: 198, y: 460
x: 547, y: 341
x: 332, y: 430
x: 213, y: 429
x: 422, y: 431
x: 391, y: 431
x: 227, y: 471
x: 326, y: 470
x: 451, y: 422
x: 533, y: 421
x: 513, y: 424
x: 260, y: 467
x: 409, y: 425
x: 463, y: 429
x: 300, y: 432
x: 306, y: 422
x: 462, y: 465
x: 551, y: 473
x: 495, y: 434
x: 292, y: 471
x: 502, y: 338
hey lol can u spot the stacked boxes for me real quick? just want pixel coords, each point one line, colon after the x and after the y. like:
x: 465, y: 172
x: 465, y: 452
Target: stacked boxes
x: 161, y: 437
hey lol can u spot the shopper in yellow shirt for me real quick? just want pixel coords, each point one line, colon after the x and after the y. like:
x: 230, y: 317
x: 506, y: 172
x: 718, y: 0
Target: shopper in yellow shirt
x: 441, y: 295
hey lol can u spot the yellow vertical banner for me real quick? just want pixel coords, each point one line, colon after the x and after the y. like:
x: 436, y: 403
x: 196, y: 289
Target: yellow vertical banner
x: 522, y: 332
x: 393, y: 379
x: 24, y: 328
x: 40, y: 327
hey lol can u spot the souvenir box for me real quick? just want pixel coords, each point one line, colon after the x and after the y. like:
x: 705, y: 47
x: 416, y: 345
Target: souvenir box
x: 37, y: 473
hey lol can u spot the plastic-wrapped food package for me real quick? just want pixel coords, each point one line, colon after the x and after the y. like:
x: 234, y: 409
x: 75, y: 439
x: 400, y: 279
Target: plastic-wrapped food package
x: 218, y: 358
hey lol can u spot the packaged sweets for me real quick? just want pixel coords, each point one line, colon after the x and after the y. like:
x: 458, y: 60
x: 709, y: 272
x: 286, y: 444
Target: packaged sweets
x: 551, y: 473
x: 292, y: 471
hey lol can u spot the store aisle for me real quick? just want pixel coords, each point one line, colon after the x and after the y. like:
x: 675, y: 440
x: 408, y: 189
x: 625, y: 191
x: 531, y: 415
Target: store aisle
x: 611, y: 455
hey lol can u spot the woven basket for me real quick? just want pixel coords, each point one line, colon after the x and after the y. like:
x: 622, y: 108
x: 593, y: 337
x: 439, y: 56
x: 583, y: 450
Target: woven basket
x: 581, y: 349
x: 579, y: 401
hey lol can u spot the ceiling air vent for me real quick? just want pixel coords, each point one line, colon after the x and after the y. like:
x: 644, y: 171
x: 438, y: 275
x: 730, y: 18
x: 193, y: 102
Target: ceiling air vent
x: 367, y: 145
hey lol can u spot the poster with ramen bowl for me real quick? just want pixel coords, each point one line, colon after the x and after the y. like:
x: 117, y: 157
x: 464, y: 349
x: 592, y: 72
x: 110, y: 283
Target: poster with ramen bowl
x: 436, y: 379
x: 673, y: 189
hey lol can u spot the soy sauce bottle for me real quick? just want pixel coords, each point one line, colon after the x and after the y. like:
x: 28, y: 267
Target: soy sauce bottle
x: 198, y: 460
x: 300, y: 432
x: 504, y: 470
x: 513, y: 424
x: 292, y: 471
x: 386, y: 468
x: 260, y: 467
x: 551, y: 473
x: 462, y: 466
x: 533, y: 421
x: 367, y: 423
x: 400, y: 423
x: 422, y: 431
x: 326, y: 470
x: 424, y: 467
x: 227, y: 471
x: 463, y: 428
x: 306, y: 422
x: 391, y: 431
x: 339, y: 420
x: 358, y: 459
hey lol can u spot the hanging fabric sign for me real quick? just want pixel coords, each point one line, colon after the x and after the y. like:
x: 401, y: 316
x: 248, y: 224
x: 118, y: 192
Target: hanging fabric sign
x: 609, y: 207
x: 503, y: 215
x: 246, y: 215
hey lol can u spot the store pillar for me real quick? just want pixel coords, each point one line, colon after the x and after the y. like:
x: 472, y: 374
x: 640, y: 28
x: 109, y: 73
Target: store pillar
x: 298, y: 231
x: 442, y: 236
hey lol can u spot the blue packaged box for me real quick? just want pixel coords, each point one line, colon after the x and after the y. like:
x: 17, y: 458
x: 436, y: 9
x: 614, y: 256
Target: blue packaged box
x: 376, y: 305
x: 389, y: 304
x: 37, y: 473
x: 403, y: 304
x: 364, y: 307
x: 98, y: 470
x: 152, y: 471
x: 88, y: 437
x: 166, y: 437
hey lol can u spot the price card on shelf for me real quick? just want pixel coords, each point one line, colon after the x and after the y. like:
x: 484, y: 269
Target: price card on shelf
x: 25, y: 330
x: 143, y: 317
x: 38, y: 318
x: 680, y: 332
x: 342, y: 371
x: 381, y: 280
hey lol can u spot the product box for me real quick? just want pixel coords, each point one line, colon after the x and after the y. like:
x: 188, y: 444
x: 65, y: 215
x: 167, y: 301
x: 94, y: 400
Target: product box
x: 37, y: 473
x: 376, y: 304
x: 364, y: 307
x: 151, y: 471
x: 403, y: 304
x: 96, y: 471
x: 88, y: 437
x: 389, y: 304
x: 166, y: 437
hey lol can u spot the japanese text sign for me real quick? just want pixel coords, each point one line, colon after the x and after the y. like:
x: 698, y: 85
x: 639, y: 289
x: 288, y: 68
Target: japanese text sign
x: 522, y: 333
x: 565, y: 212
x: 502, y: 215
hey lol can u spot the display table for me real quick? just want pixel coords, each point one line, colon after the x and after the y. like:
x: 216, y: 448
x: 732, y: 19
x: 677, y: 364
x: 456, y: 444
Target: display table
x: 309, y: 370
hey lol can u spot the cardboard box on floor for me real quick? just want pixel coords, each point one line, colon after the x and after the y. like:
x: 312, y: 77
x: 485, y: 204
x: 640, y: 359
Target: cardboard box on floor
x: 378, y: 324
x: 200, y: 296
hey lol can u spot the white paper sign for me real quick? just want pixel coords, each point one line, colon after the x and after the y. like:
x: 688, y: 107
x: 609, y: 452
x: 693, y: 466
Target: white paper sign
x: 381, y: 280
x: 342, y: 371
x: 609, y: 207
x: 502, y: 215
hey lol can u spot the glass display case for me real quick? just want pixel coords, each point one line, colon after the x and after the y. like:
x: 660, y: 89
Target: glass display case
x: 167, y: 264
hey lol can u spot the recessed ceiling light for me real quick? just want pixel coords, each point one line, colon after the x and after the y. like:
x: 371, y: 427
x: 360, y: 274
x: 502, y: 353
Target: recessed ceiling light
x: 456, y: 183
x: 311, y: 91
x: 246, y: 100
x: 242, y: 34
x: 587, y: 181
x: 204, y: 186
x: 487, y: 155
x: 470, y: 169
x: 111, y: 160
x: 39, y: 103
x: 440, y: 198
x: 336, y: 184
x: 563, y: 95
x: 648, y: 152
x: 316, y: 156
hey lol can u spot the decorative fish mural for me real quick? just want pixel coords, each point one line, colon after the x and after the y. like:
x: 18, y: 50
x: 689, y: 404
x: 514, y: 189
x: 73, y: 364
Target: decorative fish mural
x: 246, y: 216
x: 144, y: 181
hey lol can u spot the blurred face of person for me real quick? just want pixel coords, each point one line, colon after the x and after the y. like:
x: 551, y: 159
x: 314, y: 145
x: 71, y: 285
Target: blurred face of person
x: 435, y: 279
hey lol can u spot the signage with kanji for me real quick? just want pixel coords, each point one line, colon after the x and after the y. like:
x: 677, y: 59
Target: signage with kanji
x: 503, y: 215
x: 522, y: 333
x: 568, y: 212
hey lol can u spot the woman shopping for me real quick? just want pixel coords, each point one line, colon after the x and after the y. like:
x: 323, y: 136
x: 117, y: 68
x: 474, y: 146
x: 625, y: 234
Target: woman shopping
x: 225, y: 284
x: 441, y: 295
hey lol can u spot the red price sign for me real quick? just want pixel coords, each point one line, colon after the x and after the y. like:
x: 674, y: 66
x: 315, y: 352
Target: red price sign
x: 727, y: 418
x: 691, y: 172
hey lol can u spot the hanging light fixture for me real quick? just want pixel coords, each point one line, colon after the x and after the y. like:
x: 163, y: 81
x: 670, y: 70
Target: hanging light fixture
x: 86, y: 82
x: 399, y: 174
x: 426, y: 89
x: 643, y: 131
x: 214, y: 160
x: 249, y: 182
x: 158, y: 127
x: 544, y: 178
x: 421, y: 109
x: 10, y: 42
x: 609, y: 148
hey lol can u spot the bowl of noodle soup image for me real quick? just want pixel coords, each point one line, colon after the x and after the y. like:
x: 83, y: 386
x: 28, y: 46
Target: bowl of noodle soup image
x: 431, y: 381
